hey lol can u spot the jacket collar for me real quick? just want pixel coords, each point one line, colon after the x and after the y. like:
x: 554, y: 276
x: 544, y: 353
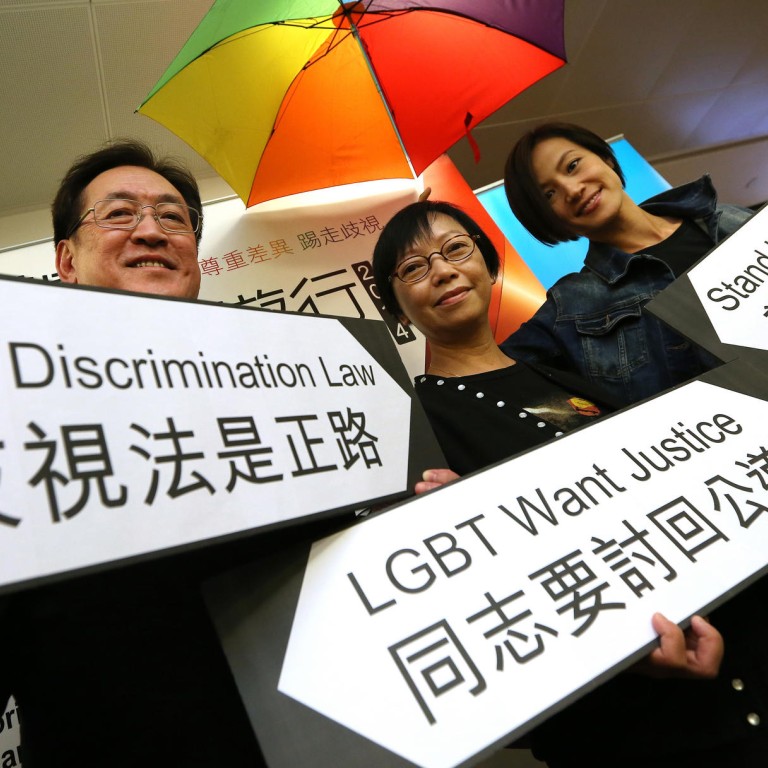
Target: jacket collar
x: 694, y: 200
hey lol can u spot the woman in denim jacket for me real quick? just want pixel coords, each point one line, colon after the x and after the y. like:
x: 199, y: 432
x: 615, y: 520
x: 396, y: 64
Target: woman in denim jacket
x: 562, y: 182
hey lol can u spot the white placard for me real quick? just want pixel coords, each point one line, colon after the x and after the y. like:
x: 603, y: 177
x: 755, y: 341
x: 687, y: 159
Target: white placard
x: 133, y: 424
x: 732, y: 285
x: 493, y: 600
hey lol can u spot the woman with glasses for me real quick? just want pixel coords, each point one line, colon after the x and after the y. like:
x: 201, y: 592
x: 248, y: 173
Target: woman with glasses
x: 435, y: 267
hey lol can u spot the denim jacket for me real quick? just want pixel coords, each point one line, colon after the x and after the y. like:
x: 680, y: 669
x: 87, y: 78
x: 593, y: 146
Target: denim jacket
x: 593, y: 322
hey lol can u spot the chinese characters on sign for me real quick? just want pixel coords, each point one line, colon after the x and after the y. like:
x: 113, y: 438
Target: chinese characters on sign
x: 260, y: 252
x: 539, y: 575
x: 80, y: 457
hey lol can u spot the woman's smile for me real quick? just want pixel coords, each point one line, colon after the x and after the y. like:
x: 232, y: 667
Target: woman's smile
x: 454, y: 296
x: 590, y: 205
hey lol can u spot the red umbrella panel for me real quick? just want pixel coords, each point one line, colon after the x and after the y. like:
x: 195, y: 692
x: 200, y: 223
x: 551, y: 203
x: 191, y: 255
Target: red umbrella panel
x: 286, y: 96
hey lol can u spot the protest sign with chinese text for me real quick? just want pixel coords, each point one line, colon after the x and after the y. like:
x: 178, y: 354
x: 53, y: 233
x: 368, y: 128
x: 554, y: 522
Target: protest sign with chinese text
x: 135, y: 424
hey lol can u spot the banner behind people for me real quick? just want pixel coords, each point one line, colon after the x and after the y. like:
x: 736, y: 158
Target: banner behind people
x: 311, y: 253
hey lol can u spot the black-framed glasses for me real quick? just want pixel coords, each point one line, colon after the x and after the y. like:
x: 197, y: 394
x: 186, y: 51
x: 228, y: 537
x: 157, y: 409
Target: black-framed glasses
x: 120, y: 213
x: 416, y: 268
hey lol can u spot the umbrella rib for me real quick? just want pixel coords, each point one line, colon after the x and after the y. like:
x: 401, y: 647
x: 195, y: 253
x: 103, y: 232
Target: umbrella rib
x: 353, y: 28
x: 335, y: 39
x: 345, y: 12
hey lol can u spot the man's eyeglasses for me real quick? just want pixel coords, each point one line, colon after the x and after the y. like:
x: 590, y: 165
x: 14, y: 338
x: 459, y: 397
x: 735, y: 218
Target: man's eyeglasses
x: 416, y: 268
x: 117, y: 213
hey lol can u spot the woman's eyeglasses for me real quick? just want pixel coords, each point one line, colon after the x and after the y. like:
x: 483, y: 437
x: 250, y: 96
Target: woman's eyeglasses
x: 416, y: 268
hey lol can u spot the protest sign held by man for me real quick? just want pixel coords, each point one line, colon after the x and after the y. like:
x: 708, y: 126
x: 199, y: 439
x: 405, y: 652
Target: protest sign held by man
x: 124, y: 668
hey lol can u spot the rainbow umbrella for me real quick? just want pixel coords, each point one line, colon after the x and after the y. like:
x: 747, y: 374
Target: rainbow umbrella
x: 287, y: 96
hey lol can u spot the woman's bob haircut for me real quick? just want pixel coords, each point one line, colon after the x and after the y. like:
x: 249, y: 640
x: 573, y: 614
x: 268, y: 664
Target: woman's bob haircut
x: 525, y: 197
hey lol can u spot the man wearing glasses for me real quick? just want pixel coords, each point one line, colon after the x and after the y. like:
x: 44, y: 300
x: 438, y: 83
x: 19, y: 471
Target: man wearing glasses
x: 124, y: 668
x: 130, y: 227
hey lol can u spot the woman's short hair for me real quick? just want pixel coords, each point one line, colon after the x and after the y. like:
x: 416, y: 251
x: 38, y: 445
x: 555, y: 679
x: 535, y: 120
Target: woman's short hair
x: 67, y: 204
x: 525, y: 197
x: 410, y: 224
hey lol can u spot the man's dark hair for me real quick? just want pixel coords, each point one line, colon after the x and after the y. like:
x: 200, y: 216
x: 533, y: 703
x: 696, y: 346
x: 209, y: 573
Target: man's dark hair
x: 408, y: 225
x: 525, y: 197
x: 67, y: 205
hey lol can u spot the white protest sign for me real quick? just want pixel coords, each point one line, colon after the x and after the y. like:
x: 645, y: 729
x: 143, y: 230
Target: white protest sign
x: 133, y: 424
x: 494, y: 600
x: 732, y: 285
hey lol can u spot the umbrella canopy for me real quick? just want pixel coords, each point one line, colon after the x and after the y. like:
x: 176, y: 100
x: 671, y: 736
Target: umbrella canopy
x: 287, y: 96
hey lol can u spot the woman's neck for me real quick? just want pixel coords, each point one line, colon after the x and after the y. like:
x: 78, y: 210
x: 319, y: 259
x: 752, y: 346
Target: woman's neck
x: 636, y: 229
x: 466, y: 359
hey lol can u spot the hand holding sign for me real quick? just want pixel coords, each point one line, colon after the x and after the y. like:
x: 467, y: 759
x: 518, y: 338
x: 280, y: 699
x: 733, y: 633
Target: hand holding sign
x: 697, y: 652
x: 434, y: 478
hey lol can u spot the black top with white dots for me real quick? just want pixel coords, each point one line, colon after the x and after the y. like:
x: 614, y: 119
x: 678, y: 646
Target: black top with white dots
x: 485, y: 418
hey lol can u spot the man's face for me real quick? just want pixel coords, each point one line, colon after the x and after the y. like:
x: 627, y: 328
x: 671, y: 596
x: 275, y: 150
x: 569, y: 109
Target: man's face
x: 146, y: 259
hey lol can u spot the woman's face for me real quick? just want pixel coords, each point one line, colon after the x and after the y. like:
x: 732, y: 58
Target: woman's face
x: 453, y: 295
x: 584, y: 191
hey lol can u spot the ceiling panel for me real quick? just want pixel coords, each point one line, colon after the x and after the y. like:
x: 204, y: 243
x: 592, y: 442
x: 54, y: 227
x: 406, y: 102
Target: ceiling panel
x: 130, y: 72
x: 738, y: 113
x: 676, y: 77
x: 50, y: 96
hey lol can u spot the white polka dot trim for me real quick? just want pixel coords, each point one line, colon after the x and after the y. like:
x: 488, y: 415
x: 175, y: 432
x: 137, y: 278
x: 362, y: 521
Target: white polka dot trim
x: 499, y: 403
